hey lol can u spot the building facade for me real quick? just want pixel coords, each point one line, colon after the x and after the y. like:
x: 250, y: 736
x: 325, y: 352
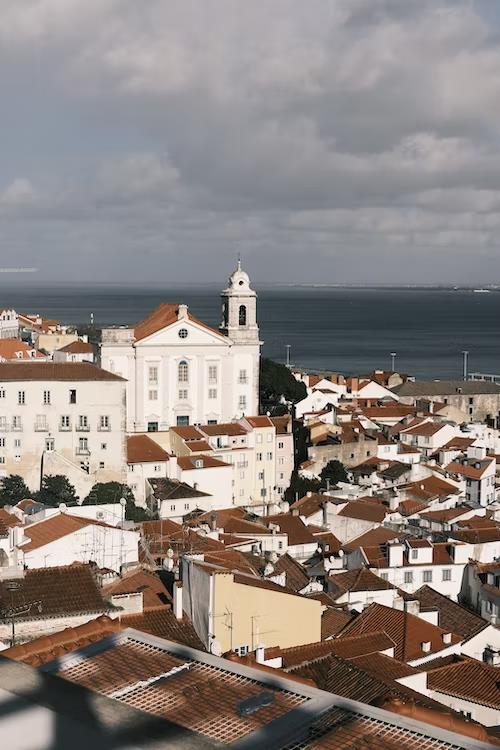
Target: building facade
x: 181, y: 371
x: 62, y: 419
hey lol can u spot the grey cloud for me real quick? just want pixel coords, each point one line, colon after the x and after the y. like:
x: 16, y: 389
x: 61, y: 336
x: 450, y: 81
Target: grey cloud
x: 340, y: 132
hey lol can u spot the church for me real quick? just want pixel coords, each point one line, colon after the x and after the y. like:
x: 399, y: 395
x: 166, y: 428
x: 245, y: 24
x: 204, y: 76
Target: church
x: 180, y: 371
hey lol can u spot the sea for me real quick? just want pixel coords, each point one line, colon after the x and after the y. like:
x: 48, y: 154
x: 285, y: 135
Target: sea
x: 351, y: 330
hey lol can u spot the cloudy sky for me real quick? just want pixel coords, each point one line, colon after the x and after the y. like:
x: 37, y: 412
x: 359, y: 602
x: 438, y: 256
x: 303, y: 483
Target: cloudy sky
x: 327, y: 140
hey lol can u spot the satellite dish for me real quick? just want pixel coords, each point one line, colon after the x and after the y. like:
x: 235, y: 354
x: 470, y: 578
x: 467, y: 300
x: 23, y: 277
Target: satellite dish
x: 215, y: 648
x: 63, y: 507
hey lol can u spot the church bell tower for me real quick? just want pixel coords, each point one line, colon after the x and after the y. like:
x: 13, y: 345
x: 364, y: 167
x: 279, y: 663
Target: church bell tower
x: 239, y: 309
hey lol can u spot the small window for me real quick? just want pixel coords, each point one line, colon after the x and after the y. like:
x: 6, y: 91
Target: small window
x: 183, y: 394
x: 183, y: 333
x: 65, y: 422
x: 153, y: 375
x: 242, y: 315
x: 259, y: 456
x: 212, y: 393
x: 72, y: 396
x: 182, y: 421
x: 447, y: 574
x: 152, y: 426
x: 427, y: 576
x: 46, y: 397
x: 49, y: 444
x: 269, y: 456
x: 242, y: 402
x: 2, y: 442
x: 414, y: 554
x: 2, y: 392
x: 17, y: 443
x: 153, y: 395
x: 104, y: 446
x: 281, y: 446
x: 101, y: 464
x: 408, y: 577
x: 21, y: 397
x: 104, y: 422
x: 212, y: 374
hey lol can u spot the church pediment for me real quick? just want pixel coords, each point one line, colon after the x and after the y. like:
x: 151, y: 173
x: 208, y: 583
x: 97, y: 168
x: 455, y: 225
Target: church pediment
x: 185, y: 332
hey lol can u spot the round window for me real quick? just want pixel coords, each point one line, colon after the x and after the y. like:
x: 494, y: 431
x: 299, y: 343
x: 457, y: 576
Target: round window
x: 241, y: 282
x: 183, y: 333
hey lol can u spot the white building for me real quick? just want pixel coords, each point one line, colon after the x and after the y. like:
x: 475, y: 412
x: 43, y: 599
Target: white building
x: 63, y: 539
x: 76, y: 351
x: 181, y: 371
x: 62, y: 419
x: 9, y: 324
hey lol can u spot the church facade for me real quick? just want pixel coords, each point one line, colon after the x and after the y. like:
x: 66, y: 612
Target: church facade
x: 180, y: 371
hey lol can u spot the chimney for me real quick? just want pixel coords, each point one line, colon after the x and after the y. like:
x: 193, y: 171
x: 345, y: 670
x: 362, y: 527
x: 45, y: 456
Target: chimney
x: 260, y: 654
x: 447, y: 638
x: 426, y: 646
x: 213, y: 522
x: 395, y: 554
x: 182, y: 312
x: 354, y: 384
x: 177, y: 603
x: 324, y: 512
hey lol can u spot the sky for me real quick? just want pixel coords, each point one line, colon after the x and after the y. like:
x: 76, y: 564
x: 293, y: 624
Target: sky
x: 327, y: 141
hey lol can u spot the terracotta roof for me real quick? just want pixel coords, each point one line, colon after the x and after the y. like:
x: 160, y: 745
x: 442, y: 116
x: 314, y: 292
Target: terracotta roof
x: 15, y: 349
x: 172, y: 489
x: 161, y: 622
x: 154, y: 592
x: 458, y: 443
x: 163, y: 316
x: 295, y: 575
x: 310, y: 504
x: 478, y: 522
x: 232, y: 429
x: 187, y: 463
x: 366, y: 643
x: 55, y: 527
x: 365, y: 511
x: 477, y: 536
x: 259, y: 421
x: 388, y: 412
x: 472, y: 470
x: 358, y: 579
x: 425, y: 430
x: 62, y: 591
x: 372, y: 538
x: 165, y: 535
x: 469, y: 680
x: 293, y: 526
x: 333, y: 621
x: 452, y: 616
x: 142, y: 449
x: 220, y: 516
x: 197, y: 446
x: 45, y: 649
x: 188, y: 432
x: 407, y: 631
x: 71, y: 372
x: 158, y: 621
x: 9, y: 519
x: 78, y: 347
x: 431, y: 487
x: 447, y: 515
x: 234, y: 525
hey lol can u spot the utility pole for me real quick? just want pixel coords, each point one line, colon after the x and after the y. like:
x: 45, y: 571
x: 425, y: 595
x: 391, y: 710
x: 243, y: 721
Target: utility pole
x: 466, y: 359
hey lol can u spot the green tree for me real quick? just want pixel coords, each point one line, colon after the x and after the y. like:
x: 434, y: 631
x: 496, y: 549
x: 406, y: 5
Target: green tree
x: 334, y: 472
x: 299, y: 486
x: 109, y: 492
x: 57, y: 489
x: 13, y: 489
x: 277, y: 382
x: 134, y: 512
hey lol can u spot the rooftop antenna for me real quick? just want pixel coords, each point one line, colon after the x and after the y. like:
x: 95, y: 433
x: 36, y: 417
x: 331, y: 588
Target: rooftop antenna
x: 239, y: 260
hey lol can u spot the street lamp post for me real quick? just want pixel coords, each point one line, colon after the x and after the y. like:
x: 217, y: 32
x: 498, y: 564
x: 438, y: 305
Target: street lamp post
x: 288, y: 347
x: 393, y: 361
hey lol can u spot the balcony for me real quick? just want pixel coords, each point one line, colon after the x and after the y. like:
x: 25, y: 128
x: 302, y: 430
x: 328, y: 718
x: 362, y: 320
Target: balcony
x: 65, y: 428
x: 82, y: 428
x: 242, y: 464
x: 103, y: 428
x: 4, y: 427
x: 41, y: 427
x: 82, y: 452
x: 17, y: 428
x: 242, y: 381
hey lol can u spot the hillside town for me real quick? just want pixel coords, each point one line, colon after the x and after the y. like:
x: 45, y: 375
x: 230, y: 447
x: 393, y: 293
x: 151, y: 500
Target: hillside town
x: 228, y: 551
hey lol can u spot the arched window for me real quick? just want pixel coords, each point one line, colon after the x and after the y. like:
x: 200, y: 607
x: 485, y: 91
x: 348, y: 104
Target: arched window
x: 242, y: 315
x: 183, y: 372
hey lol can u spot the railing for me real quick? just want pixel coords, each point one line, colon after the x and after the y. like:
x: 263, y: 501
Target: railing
x: 82, y: 428
x: 17, y: 428
x: 41, y: 427
x: 82, y: 452
x: 104, y: 428
x: 65, y: 428
x: 4, y: 427
x: 242, y: 465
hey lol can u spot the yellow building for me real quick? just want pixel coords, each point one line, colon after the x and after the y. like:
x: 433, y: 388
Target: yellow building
x: 236, y: 611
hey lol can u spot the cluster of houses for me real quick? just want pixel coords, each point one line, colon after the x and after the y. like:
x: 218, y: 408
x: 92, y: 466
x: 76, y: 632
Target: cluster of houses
x: 375, y: 601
